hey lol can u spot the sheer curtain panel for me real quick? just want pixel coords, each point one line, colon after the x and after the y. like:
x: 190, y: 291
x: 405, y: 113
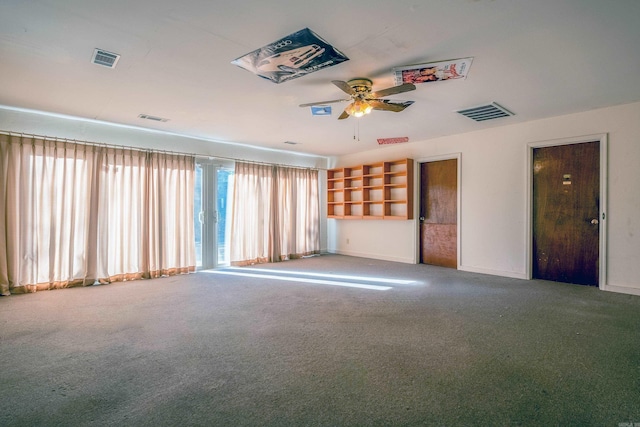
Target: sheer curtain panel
x: 276, y: 214
x: 251, y: 234
x: 170, y: 231
x: 298, y: 212
x: 73, y: 214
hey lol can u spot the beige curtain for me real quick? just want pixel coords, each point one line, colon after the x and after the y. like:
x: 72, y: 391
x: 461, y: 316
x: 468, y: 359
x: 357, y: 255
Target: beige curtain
x: 298, y: 212
x: 170, y: 230
x: 73, y: 214
x: 252, y: 214
x: 276, y: 214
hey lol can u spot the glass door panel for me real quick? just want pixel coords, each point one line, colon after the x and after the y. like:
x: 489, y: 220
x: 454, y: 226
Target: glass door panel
x: 212, y: 213
x: 198, y: 215
x: 224, y: 178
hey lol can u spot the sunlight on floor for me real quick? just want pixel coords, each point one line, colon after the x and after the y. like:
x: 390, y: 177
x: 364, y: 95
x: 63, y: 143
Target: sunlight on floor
x: 329, y: 275
x: 306, y: 277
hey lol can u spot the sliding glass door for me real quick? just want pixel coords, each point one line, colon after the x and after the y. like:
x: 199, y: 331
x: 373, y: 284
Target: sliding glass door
x: 212, y: 212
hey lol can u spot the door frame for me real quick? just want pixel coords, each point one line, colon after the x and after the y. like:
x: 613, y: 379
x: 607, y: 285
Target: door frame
x: 418, y: 195
x: 602, y: 215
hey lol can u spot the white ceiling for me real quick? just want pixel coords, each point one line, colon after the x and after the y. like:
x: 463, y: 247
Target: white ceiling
x: 537, y: 58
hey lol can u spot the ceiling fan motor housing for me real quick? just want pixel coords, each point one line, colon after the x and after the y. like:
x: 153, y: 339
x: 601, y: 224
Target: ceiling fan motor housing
x: 361, y: 86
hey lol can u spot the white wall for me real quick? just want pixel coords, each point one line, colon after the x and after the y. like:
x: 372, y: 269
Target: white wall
x: 493, y: 186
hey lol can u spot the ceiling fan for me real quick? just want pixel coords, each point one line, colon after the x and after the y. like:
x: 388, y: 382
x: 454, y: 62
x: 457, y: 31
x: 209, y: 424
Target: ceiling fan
x: 363, y: 101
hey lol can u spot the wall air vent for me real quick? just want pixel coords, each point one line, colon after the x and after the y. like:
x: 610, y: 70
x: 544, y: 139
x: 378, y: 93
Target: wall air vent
x: 485, y: 112
x: 104, y: 58
x: 154, y: 118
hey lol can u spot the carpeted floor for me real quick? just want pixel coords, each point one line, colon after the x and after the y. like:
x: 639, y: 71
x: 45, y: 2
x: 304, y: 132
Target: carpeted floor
x: 267, y: 346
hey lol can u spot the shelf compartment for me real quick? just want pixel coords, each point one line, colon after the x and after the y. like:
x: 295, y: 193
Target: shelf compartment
x: 395, y: 210
x: 353, y: 210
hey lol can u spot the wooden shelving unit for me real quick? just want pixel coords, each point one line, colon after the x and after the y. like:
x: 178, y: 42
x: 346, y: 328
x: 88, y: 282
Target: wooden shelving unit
x: 335, y: 193
x: 382, y: 190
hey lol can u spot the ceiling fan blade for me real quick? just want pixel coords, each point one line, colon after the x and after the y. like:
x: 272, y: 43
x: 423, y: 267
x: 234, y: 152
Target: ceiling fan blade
x: 344, y: 115
x: 387, y: 106
x: 406, y: 87
x: 344, y: 86
x: 312, y: 104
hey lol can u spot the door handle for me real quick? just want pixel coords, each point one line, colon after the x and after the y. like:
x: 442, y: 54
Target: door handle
x: 594, y: 221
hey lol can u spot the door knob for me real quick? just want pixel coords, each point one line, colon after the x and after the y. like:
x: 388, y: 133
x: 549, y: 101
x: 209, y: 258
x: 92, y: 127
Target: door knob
x: 421, y: 218
x: 594, y: 221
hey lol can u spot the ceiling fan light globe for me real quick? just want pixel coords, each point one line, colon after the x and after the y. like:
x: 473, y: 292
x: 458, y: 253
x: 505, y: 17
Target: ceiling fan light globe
x: 358, y: 108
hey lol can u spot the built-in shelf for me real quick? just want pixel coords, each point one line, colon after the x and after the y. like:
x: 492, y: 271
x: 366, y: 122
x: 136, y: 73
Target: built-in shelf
x: 381, y: 190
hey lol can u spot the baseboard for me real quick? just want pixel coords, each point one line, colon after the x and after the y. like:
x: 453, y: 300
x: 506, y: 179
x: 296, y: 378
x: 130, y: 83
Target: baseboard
x: 374, y: 256
x: 510, y: 274
x: 621, y: 289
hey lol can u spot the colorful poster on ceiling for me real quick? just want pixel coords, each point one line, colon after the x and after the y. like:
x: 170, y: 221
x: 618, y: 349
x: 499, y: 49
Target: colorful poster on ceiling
x: 293, y: 56
x: 433, y: 71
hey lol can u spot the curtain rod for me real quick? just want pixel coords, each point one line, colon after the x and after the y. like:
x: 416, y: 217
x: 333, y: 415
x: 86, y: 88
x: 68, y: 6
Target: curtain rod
x: 97, y: 144
x: 256, y: 162
x: 103, y: 144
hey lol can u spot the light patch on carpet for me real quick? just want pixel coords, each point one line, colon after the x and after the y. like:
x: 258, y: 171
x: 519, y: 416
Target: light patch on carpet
x: 328, y: 275
x: 226, y: 272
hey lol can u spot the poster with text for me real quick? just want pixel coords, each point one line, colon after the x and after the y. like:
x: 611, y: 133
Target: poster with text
x: 293, y: 56
x: 433, y: 71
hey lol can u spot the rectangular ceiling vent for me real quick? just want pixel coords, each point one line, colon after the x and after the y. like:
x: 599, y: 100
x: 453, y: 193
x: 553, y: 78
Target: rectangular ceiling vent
x: 104, y: 58
x: 154, y: 118
x: 486, y: 112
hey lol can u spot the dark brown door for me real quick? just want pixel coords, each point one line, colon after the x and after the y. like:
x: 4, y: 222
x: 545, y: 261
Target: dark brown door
x: 566, y: 205
x: 439, y: 213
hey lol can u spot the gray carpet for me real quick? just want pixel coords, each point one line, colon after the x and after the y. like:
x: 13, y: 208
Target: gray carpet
x: 448, y: 349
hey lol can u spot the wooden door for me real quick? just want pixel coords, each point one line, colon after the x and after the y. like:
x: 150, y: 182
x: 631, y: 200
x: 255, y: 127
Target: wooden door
x: 439, y: 213
x: 566, y: 206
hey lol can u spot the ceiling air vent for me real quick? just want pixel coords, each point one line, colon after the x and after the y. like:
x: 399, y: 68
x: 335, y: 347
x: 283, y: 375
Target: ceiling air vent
x: 104, y: 58
x: 154, y: 118
x: 486, y: 112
